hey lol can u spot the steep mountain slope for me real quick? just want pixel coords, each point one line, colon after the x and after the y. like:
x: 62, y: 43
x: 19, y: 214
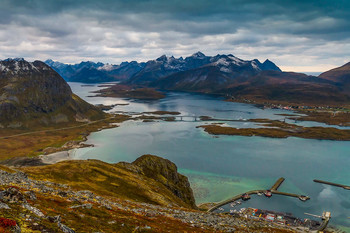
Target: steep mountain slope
x: 339, y: 75
x: 33, y: 93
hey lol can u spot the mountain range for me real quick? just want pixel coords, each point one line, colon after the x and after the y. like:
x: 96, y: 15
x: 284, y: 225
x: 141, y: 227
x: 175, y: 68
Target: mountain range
x: 146, y: 72
x: 91, y: 72
x: 33, y: 93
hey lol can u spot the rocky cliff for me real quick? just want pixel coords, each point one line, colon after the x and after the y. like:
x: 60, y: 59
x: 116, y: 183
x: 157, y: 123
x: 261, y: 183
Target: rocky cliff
x: 165, y: 172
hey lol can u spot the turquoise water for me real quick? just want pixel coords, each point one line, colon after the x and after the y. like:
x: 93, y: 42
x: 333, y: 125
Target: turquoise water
x: 221, y: 167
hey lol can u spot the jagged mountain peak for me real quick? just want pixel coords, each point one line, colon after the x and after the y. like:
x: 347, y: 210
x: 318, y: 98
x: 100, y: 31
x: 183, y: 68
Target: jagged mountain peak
x: 198, y: 55
x: 162, y: 58
x: 18, y: 59
x: 19, y: 65
x: 269, y: 65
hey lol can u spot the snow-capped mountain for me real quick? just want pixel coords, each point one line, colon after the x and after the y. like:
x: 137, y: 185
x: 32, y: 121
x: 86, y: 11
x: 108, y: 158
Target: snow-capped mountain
x: 165, y: 66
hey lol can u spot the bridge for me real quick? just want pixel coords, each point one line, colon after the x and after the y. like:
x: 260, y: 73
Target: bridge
x: 191, y: 118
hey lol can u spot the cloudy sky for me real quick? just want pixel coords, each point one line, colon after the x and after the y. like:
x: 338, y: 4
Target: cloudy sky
x: 298, y: 35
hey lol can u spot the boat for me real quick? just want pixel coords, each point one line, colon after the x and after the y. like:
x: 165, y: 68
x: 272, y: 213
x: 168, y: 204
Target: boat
x: 238, y: 202
x: 221, y: 209
x: 245, y: 197
x: 303, y: 198
x: 268, y: 193
x: 260, y: 193
x: 233, y: 204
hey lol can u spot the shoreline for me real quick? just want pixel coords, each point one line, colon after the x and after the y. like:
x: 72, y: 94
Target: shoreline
x: 56, y: 157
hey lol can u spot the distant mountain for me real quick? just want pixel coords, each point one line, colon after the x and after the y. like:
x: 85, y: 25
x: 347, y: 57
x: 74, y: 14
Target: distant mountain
x: 91, y: 72
x: 230, y: 76
x: 228, y: 65
x: 146, y: 72
x: 287, y: 87
x: 125, y: 70
x: 32, y: 92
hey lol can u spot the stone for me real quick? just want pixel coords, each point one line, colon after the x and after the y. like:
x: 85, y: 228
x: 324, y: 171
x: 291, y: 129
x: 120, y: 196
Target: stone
x: 65, y: 229
x: 34, y: 210
x: 4, y: 206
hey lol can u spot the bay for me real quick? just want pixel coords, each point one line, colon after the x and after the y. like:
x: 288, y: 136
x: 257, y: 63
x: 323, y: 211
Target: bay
x: 221, y: 167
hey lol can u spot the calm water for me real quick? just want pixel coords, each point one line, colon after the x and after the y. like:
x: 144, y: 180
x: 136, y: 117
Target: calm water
x: 219, y: 168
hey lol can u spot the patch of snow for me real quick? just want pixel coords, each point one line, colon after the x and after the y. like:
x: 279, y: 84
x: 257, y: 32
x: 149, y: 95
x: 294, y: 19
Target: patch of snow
x: 222, y: 61
x: 255, y: 66
x: 106, y: 67
x: 3, y: 67
x: 225, y: 69
x: 236, y: 60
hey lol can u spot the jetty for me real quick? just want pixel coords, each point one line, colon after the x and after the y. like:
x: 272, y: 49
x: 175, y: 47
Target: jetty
x: 333, y: 184
x: 277, y: 184
x: 273, y: 190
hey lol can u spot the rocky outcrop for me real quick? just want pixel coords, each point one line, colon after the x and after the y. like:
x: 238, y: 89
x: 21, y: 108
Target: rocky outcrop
x: 165, y: 172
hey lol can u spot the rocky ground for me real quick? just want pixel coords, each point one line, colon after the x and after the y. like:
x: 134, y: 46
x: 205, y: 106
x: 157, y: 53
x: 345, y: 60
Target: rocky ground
x: 43, y: 206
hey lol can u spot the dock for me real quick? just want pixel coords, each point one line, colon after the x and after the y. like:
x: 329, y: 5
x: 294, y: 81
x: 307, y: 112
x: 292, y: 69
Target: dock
x: 277, y: 184
x: 333, y: 184
x: 273, y: 191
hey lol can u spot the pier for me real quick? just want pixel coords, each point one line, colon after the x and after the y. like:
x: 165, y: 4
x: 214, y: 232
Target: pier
x: 277, y: 184
x: 333, y: 184
x: 273, y: 191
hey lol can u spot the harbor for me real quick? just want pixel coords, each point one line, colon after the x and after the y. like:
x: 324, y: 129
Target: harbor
x: 273, y: 216
x: 268, y: 193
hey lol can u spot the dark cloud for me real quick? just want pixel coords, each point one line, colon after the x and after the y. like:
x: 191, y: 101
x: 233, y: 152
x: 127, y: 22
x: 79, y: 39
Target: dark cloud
x: 317, y: 32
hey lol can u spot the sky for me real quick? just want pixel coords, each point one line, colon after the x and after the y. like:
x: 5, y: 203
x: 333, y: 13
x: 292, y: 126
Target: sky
x: 298, y: 35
